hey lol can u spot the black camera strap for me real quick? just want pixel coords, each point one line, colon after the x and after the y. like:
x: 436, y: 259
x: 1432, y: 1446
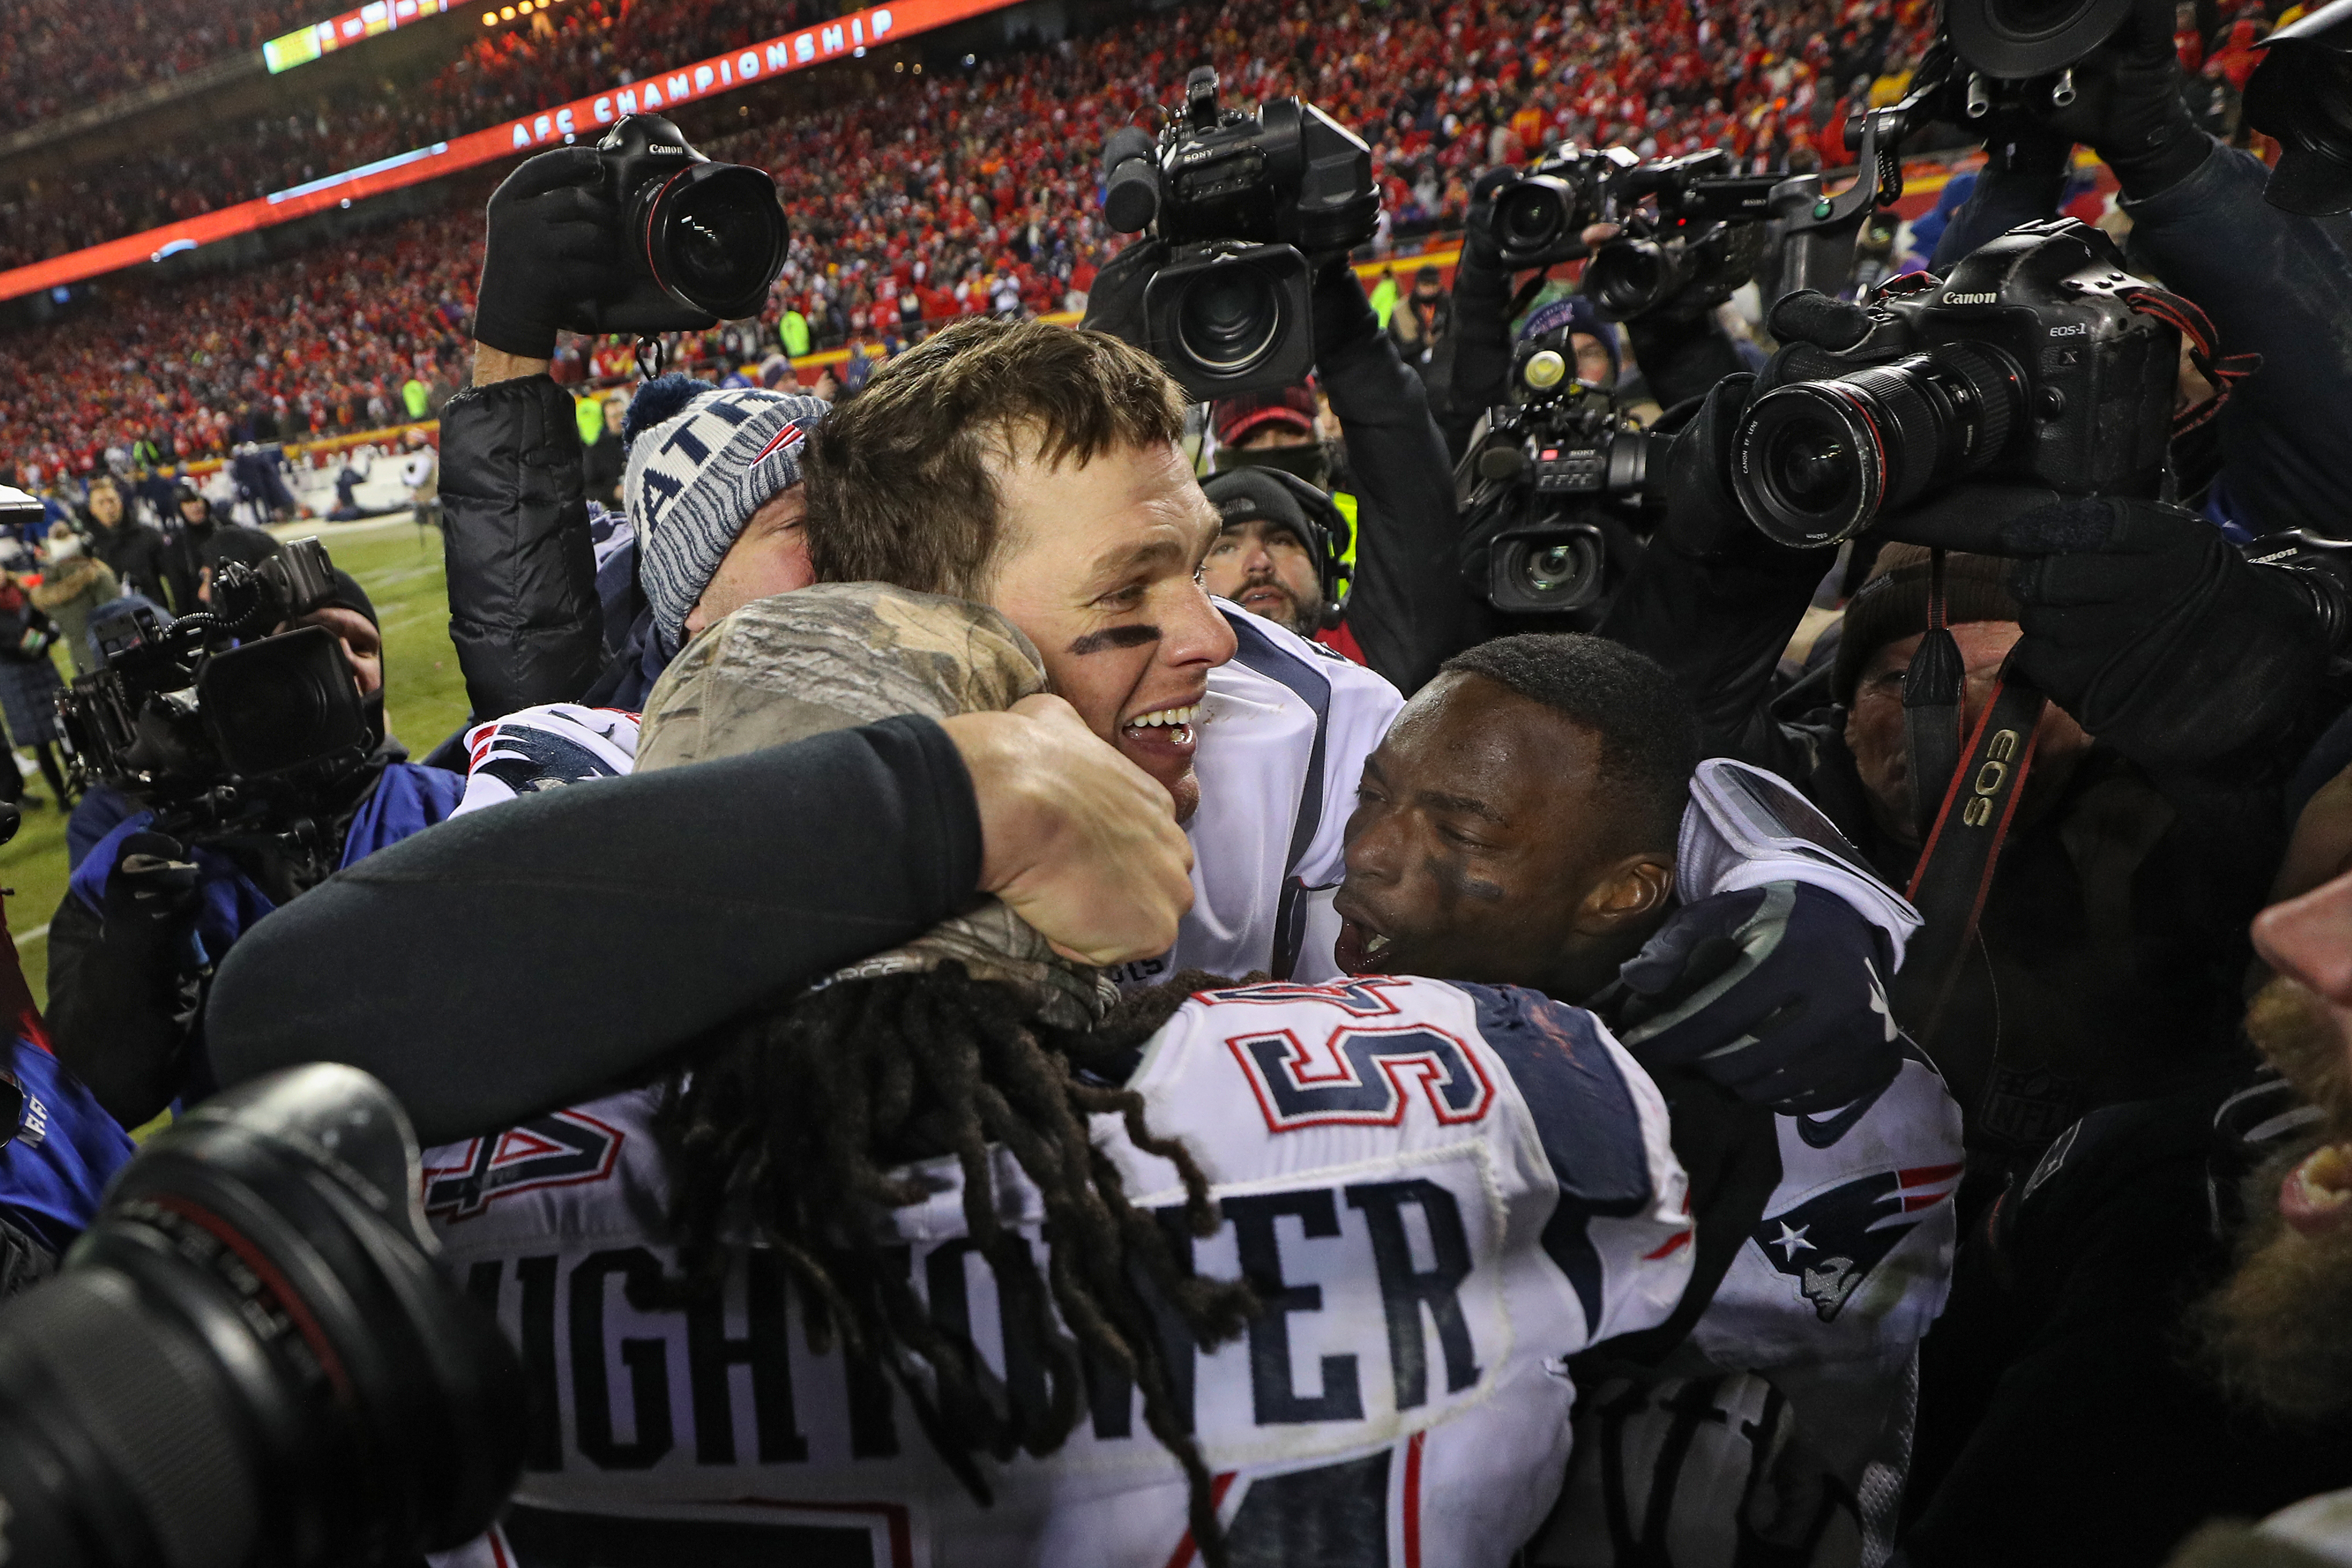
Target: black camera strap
x: 652, y: 355
x: 1962, y: 848
x: 2189, y: 319
x: 1931, y: 707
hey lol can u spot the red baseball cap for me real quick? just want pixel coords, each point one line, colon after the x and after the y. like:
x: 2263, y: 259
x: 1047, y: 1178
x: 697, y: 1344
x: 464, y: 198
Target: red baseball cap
x: 1232, y: 418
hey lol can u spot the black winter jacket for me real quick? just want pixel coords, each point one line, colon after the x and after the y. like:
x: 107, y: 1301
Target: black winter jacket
x: 523, y: 610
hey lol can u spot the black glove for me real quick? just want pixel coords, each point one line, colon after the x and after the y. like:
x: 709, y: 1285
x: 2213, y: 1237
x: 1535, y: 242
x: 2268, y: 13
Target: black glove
x: 1703, y: 516
x: 2147, y: 626
x: 1774, y: 992
x: 1114, y: 303
x: 551, y: 241
x: 2127, y: 105
x: 154, y: 885
x: 1343, y: 314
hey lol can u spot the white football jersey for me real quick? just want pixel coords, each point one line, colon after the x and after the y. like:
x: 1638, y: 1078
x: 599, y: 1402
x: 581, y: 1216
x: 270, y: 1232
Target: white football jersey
x: 1438, y: 1192
x: 1286, y: 730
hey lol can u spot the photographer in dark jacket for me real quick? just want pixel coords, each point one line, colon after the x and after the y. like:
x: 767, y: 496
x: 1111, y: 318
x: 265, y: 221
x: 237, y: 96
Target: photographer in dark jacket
x: 1403, y: 607
x: 533, y: 618
x: 2274, y: 283
x: 146, y: 917
x: 2185, y: 683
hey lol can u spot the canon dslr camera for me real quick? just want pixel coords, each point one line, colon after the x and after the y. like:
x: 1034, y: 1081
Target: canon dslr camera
x: 705, y: 241
x: 197, y: 717
x: 1245, y: 198
x: 251, y: 1357
x: 2028, y: 363
x: 1537, y: 538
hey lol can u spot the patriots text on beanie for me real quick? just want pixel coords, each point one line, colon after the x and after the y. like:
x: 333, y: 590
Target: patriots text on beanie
x: 695, y: 475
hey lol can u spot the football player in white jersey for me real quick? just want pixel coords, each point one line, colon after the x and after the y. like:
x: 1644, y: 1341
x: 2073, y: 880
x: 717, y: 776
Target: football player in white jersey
x: 1037, y: 470
x: 1499, y: 838
x: 1281, y: 1273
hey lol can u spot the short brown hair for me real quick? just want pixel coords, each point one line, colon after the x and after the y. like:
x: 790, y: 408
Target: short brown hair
x: 898, y: 483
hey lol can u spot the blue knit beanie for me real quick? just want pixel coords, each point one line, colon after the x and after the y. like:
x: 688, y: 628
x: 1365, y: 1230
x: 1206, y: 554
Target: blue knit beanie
x: 702, y: 460
x: 1577, y: 314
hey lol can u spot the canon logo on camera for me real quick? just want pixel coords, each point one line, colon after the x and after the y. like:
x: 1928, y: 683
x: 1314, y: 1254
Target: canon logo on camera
x: 1971, y: 298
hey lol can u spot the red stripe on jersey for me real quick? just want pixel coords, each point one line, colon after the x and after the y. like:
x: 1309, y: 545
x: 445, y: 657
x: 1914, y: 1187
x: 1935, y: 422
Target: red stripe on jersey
x: 1413, y: 1501
x: 1667, y: 1251
x: 1185, y: 1550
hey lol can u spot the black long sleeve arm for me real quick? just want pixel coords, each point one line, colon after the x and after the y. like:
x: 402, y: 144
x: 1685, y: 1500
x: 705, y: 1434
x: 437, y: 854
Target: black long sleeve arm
x: 523, y: 610
x: 1406, y: 604
x: 1720, y: 623
x: 519, y: 959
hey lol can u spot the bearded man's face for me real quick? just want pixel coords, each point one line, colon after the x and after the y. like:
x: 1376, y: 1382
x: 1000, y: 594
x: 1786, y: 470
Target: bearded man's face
x: 2277, y: 1327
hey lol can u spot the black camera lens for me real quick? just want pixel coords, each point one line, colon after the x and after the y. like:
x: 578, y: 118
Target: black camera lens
x: 1555, y: 568
x: 280, y: 703
x: 1628, y: 277
x: 1818, y: 461
x: 1530, y: 216
x: 2019, y: 40
x: 250, y: 1358
x: 1229, y: 317
x: 713, y: 235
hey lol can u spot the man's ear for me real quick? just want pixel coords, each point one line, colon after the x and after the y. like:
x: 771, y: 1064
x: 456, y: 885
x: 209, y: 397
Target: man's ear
x: 1633, y: 892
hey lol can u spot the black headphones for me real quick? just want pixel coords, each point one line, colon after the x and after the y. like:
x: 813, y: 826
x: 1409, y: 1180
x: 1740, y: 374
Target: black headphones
x: 1329, y: 534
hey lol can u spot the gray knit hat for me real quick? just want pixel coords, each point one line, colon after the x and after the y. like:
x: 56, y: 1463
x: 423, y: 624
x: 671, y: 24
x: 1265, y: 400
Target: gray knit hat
x: 695, y: 479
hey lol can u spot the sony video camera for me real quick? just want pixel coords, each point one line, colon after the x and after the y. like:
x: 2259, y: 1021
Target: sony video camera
x: 2028, y: 363
x: 251, y: 1357
x: 1550, y: 466
x: 1701, y: 242
x: 1245, y: 198
x: 705, y: 241
x: 198, y: 717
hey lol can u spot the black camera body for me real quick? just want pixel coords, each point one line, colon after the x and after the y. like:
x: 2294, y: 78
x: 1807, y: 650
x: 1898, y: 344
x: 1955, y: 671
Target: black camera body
x: 1547, y: 468
x: 1704, y: 241
x: 1538, y: 218
x: 1245, y: 198
x: 705, y: 241
x: 2028, y: 363
x: 188, y: 721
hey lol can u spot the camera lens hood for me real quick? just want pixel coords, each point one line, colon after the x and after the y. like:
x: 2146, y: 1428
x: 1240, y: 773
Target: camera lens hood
x: 2018, y: 39
x: 713, y: 236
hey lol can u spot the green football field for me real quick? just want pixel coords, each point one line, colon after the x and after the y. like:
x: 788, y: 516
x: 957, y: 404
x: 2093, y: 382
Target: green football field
x: 425, y: 699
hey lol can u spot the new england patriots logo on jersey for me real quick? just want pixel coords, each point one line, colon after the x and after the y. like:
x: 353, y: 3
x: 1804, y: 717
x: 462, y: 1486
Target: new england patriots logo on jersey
x: 1831, y: 1242
x: 527, y: 758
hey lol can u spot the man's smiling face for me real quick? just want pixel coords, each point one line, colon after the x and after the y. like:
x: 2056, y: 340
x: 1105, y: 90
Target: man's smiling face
x: 1098, y: 563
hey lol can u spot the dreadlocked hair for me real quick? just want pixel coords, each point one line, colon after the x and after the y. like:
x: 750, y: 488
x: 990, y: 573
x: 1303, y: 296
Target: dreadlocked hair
x: 793, y: 1121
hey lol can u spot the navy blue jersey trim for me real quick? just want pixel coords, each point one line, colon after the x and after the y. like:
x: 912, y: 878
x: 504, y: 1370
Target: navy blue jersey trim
x: 1257, y: 651
x: 1585, y: 1114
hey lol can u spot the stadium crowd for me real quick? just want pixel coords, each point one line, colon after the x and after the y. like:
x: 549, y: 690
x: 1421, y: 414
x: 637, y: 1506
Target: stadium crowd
x: 970, y: 192
x: 61, y: 55
x: 1446, y: 91
x: 1571, y: 941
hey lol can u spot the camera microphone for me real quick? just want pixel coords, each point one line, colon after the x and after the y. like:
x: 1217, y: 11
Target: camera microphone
x: 1131, y: 196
